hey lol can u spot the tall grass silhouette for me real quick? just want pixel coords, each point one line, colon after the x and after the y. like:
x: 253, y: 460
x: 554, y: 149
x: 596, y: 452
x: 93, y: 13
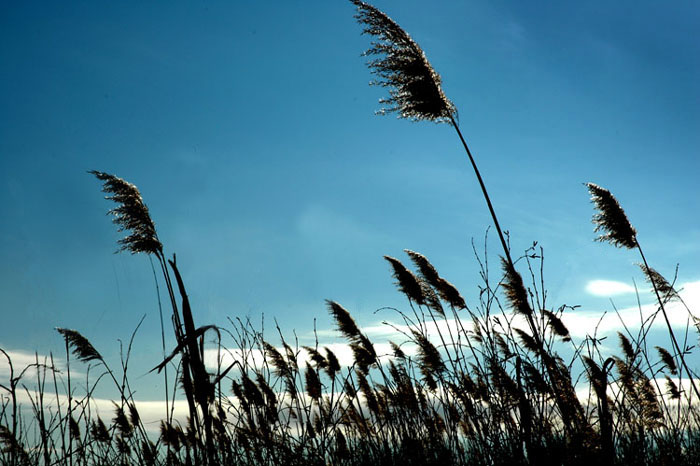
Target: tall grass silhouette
x: 465, y: 383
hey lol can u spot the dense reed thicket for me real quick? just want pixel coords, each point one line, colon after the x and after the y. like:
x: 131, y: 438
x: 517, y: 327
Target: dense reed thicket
x: 497, y: 381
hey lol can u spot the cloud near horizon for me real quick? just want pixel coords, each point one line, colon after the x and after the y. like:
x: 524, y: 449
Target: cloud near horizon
x: 607, y: 288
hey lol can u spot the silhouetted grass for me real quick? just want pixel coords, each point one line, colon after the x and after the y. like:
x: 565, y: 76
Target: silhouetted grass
x: 470, y: 383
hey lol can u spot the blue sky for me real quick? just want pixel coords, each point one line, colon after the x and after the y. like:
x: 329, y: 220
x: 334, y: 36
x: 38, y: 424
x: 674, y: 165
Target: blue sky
x: 249, y: 129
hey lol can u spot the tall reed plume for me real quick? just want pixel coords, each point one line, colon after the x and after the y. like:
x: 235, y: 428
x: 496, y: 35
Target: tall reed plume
x: 612, y: 220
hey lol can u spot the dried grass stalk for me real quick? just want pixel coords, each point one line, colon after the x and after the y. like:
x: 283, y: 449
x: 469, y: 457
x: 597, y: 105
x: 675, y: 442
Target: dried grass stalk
x: 415, y: 88
x: 610, y: 219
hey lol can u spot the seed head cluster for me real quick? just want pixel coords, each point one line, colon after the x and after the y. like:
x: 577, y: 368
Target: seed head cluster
x: 415, y: 88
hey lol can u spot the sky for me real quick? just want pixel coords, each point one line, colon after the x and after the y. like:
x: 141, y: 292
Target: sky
x: 249, y: 128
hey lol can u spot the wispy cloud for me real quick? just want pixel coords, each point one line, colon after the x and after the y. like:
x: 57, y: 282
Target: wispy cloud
x: 608, y: 288
x: 680, y: 313
x: 25, y: 363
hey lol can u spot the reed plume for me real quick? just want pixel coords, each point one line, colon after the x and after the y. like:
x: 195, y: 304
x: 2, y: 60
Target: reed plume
x: 131, y: 215
x: 82, y: 348
x: 446, y: 290
x: 406, y: 281
x: 627, y: 348
x: 667, y: 359
x: 515, y: 290
x: 654, y: 278
x: 557, y: 326
x: 346, y: 324
x: 415, y: 88
x: 428, y: 355
x: 610, y: 219
x: 616, y: 228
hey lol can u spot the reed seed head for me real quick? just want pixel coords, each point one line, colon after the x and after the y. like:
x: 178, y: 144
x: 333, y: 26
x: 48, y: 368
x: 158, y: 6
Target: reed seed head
x: 131, y: 214
x: 406, y: 281
x: 610, y: 219
x: 333, y: 363
x: 667, y: 359
x: 672, y: 389
x: 428, y: 355
x: 427, y: 270
x: 447, y: 291
x: 313, y: 383
x: 627, y: 348
x: 346, y: 324
x: 658, y: 281
x: 557, y: 326
x: 82, y: 348
x: 415, y: 88
x: 515, y: 289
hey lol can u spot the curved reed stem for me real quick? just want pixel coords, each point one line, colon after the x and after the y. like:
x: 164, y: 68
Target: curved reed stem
x: 506, y: 249
x: 668, y: 323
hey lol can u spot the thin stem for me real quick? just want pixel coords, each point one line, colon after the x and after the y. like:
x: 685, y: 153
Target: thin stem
x: 162, y: 338
x: 668, y: 323
x: 483, y: 190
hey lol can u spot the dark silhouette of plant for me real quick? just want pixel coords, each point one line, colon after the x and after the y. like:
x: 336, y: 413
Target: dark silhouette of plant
x: 611, y: 220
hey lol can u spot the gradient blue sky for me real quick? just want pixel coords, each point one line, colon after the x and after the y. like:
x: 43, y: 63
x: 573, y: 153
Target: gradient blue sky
x: 249, y: 128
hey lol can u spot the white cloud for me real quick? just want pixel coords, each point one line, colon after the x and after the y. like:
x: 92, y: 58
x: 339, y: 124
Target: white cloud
x: 582, y: 323
x: 608, y: 288
x: 24, y: 364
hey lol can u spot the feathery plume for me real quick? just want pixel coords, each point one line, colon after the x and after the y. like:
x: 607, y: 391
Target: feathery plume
x: 597, y: 376
x: 665, y: 289
x: 503, y: 345
x: 364, y: 353
x: 611, y: 220
x: 626, y: 346
x: 170, y: 435
x: 557, y: 326
x: 667, y: 359
x: 415, y: 90
x: 672, y: 389
x: 99, y: 431
x: 277, y: 360
x: 426, y: 269
x: 428, y: 355
x: 445, y: 289
x: 134, y: 416
x: 346, y: 324
x: 397, y: 351
x: 535, y: 379
x: 13, y: 446
x: 450, y: 294
x: 82, y: 348
x: 527, y: 340
x: 131, y: 214
x: 121, y: 422
x: 251, y: 391
x: 73, y: 428
x: 515, y: 289
x: 432, y: 300
x: 313, y: 383
x: 407, y: 282
x: 316, y: 357
x: 333, y: 363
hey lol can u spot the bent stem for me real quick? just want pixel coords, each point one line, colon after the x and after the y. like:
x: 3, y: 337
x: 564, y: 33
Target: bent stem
x: 506, y: 249
x: 570, y: 410
x: 668, y: 324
